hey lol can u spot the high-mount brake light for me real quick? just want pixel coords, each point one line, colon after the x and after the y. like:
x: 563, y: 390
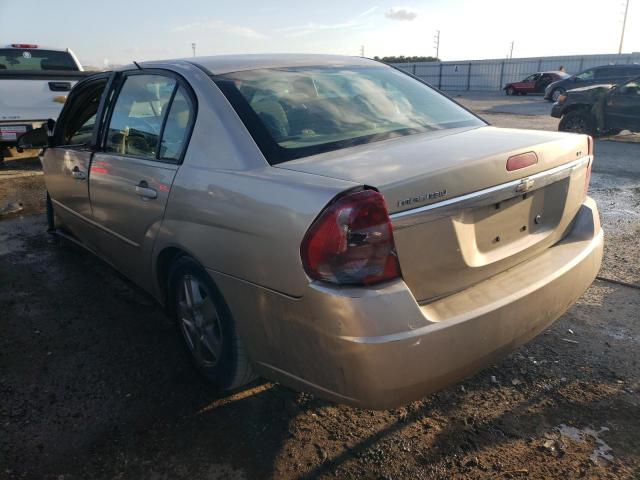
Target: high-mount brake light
x: 521, y: 160
x: 351, y: 242
x: 24, y: 45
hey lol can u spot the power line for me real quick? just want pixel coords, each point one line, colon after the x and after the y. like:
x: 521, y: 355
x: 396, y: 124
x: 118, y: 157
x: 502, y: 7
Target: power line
x: 624, y: 24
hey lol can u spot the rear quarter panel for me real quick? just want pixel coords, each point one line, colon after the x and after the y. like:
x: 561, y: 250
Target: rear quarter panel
x: 230, y: 209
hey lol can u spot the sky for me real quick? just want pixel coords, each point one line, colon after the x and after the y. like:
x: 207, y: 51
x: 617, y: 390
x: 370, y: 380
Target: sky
x: 119, y: 31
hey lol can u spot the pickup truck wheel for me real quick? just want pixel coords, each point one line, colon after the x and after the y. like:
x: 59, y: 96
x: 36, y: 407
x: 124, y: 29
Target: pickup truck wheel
x: 206, y: 326
x: 510, y: 91
x: 555, y: 95
x: 577, y: 121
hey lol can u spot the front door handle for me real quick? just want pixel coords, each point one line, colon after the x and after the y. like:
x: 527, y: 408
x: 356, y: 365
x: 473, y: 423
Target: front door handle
x: 78, y: 174
x: 143, y: 190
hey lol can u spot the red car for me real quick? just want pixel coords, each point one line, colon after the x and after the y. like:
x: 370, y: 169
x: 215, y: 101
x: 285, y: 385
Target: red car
x: 535, y: 83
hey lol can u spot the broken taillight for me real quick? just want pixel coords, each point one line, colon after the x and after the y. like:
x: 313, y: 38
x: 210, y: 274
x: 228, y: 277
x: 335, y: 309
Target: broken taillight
x: 351, y: 242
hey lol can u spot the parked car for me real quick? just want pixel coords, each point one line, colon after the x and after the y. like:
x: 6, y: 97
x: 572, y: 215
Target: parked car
x: 535, y: 83
x: 34, y: 83
x: 600, y: 109
x: 328, y: 222
x: 605, y: 74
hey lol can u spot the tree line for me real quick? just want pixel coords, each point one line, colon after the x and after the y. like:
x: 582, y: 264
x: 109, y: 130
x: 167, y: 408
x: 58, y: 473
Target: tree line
x: 403, y: 59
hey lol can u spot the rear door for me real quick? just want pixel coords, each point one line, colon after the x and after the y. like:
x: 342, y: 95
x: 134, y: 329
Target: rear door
x: 66, y: 164
x: 144, y: 140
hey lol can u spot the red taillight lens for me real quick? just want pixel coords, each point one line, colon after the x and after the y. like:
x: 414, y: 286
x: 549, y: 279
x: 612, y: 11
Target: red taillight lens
x: 589, y: 145
x: 24, y: 45
x: 351, y: 242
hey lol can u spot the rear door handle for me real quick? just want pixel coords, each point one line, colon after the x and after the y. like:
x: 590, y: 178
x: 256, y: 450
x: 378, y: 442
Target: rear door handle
x: 143, y: 190
x: 78, y: 174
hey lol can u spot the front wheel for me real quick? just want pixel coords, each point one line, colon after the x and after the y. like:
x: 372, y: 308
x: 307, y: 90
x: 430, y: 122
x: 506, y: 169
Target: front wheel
x: 555, y: 95
x: 510, y: 91
x: 577, y: 121
x: 206, y: 326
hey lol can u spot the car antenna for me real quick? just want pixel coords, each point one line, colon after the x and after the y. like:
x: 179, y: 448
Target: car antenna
x: 137, y: 65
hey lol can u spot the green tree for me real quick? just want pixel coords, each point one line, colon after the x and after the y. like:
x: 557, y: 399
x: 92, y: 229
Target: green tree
x: 403, y: 59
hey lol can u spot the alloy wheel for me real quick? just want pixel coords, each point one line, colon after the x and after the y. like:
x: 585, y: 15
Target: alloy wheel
x: 199, y: 321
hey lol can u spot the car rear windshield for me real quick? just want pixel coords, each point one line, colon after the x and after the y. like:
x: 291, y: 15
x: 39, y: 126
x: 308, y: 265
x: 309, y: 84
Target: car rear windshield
x: 35, y: 60
x: 297, y: 112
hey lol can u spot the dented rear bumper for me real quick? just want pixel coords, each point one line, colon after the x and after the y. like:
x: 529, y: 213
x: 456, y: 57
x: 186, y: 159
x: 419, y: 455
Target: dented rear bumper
x: 378, y: 348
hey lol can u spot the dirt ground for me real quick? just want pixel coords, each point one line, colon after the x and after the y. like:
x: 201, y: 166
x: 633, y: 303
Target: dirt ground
x: 94, y: 383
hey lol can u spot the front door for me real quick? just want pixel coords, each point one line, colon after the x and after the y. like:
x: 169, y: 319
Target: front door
x: 66, y: 163
x: 131, y: 176
x: 623, y: 107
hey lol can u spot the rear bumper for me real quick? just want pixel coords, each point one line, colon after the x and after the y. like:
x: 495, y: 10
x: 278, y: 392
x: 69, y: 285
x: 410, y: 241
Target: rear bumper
x: 377, y: 348
x: 10, y: 131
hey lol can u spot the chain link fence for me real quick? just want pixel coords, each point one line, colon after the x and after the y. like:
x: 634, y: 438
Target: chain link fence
x: 493, y: 74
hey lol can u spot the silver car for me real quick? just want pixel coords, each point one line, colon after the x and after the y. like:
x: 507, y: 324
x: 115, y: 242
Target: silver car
x: 330, y: 223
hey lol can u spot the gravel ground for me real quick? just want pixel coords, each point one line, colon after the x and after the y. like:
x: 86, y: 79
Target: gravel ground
x: 94, y: 384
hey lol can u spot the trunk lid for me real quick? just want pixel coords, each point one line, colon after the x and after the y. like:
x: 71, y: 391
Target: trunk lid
x: 459, y: 215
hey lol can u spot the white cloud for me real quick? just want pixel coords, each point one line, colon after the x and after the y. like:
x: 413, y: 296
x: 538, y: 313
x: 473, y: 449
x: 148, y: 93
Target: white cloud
x: 359, y: 21
x: 219, y: 25
x: 401, y: 14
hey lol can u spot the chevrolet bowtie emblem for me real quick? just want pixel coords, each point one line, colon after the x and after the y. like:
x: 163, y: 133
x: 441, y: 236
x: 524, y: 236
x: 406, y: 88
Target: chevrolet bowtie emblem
x: 525, y: 185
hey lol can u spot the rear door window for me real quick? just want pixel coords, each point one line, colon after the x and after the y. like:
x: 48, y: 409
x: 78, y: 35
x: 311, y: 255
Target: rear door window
x: 35, y: 60
x: 176, y: 129
x: 138, y: 115
x: 609, y: 72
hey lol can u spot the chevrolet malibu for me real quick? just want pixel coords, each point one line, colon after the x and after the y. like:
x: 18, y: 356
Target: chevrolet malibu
x: 330, y: 223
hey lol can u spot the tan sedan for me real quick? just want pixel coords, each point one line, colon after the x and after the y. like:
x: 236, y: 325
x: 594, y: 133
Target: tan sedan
x: 330, y: 223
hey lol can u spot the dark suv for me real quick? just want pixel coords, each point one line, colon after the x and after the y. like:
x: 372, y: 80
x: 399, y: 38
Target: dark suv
x: 595, y: 75
x: 603, y: 109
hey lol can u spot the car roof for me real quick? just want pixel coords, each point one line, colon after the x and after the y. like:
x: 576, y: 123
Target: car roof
x: 618, y: 65
x: 221, y: 64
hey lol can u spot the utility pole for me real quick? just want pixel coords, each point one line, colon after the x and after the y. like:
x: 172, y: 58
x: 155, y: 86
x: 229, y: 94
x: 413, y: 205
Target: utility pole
x: 511, y: 50
x: 193, y: 47
x: 436, y: 43
x: 362, y: 50
x: 624, y: 24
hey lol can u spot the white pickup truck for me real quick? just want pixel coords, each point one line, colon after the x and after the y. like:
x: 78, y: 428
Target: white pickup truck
x: 34, y: 83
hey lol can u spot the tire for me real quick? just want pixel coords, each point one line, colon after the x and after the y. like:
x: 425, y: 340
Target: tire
x: 510, y: 91
x: 577, y: 121
x: 51, y: 219
x: 556, y: 94
x: 206, y: 326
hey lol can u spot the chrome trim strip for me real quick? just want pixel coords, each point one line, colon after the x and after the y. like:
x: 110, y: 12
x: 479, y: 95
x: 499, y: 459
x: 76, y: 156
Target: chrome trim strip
x: 96, y: 224
x: 488, y: 196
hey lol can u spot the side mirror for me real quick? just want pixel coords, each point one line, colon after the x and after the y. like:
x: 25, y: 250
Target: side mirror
x: 36, y: 138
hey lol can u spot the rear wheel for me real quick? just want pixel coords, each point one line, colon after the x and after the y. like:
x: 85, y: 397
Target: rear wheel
x: 555, y: 95
x: 577, y: 121
x: 510, y: 91
x: 206, y: 326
